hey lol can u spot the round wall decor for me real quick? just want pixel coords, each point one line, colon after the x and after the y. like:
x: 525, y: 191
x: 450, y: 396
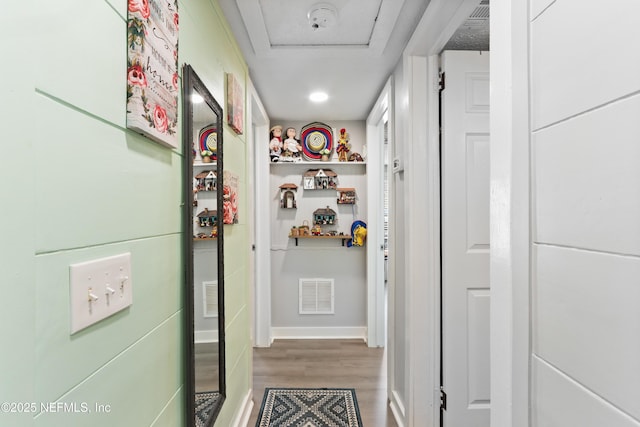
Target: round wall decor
x: 315, y: 138
x: 208, y: 139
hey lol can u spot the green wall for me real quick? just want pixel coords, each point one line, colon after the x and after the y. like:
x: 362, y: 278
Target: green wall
x: 206, y: 43
x: 77, y: 185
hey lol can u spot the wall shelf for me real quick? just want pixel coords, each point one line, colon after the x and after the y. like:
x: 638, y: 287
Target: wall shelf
x: 343, y: 238
x: 317, y: 165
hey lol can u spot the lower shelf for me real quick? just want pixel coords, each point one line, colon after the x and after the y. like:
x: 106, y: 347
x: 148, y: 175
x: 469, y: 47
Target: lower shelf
x: 343, y: 238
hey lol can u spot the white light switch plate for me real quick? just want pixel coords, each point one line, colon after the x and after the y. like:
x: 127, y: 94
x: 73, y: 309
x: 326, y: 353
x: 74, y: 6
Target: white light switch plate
x: 98, y: 289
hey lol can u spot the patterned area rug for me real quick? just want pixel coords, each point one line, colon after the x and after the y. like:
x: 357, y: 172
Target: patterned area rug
x: 205, y: 403
x: 309, y: 407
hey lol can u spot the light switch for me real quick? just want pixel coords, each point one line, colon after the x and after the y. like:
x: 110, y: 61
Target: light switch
x: 99, y: 289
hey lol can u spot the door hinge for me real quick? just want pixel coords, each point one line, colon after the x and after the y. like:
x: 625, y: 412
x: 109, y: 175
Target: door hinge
x: 443, y: 400
x: 441, y: 81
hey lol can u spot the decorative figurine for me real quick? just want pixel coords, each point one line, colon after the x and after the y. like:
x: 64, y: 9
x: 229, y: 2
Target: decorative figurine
x: 275, y: 143
x: 324, y: 216
x: 292, y: 150
x: 324, y: 153
x: 346, y: 196
x: 207, y: 218
x: 343, y: 146
x: 206, y: 156
x: 304, y: 230
x: 206, y: 181
x: 322, y: 179
x: 195, y: 193
x: 355, y: 157
x: 316, y: 230
x: 288, y: 196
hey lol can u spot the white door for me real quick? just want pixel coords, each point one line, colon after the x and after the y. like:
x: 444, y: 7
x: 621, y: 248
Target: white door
x: 465, y: 238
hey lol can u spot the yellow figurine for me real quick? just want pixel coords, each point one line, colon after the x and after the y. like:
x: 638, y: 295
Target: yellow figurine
x: 359, y: 235
x: 343, y: 146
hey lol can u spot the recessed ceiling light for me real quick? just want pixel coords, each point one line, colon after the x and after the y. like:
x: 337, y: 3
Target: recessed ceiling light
x: 197, y: 99
x: 318, y: 97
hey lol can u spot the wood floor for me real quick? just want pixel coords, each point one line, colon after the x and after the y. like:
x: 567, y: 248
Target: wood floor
x: 325, y: 363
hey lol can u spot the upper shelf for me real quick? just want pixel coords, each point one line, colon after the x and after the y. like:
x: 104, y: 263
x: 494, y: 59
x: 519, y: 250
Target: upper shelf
x: 317, y: 164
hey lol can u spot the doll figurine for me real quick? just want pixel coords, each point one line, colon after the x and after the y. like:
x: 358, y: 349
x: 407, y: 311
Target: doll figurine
x: 343, y: 146
x: 292, y: 147
x: 275, y: 143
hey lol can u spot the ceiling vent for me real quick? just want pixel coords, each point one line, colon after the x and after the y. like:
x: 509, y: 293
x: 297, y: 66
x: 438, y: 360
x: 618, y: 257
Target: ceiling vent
x: 322, y: 15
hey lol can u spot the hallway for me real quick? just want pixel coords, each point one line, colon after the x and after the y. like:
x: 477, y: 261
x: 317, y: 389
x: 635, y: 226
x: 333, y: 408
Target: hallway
x: 325, y: 363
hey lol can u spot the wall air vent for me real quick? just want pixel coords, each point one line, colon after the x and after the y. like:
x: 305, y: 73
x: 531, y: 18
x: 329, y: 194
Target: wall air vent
x: 316, y: 296
x: 210, y: 298
x: 480, y: 12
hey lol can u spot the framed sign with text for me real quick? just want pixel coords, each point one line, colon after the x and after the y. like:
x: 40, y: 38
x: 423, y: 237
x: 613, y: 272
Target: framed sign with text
x: 152, y: 69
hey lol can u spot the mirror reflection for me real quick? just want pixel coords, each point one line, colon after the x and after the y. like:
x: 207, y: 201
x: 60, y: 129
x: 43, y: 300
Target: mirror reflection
x: 203, y: 165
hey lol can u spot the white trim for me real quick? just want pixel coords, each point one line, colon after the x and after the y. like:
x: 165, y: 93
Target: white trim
x: 510, y: 209
x: 262, y: 283
x: 397, y: 409
x: 200, y: 337
x: 346, y: 332
x: 441, y: 19
x: 375, y: 226
x: 422, y: 177
x: 241, y: 419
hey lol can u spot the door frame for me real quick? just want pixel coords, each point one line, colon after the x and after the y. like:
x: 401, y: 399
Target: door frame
x: 376, y: 301
x: 510, y: 205
x: 510, y: 208
x: 261, y: 301
x: 422, y: 175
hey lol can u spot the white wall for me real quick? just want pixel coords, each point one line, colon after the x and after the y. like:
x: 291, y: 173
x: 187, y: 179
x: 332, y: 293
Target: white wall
x: 318, y: 258
x: 586, y: 205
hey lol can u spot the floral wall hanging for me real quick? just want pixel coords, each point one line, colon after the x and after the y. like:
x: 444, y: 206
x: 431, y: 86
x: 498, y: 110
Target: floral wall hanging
x: 230, y: 198
x: 152, y: 69
x: 235, y: 104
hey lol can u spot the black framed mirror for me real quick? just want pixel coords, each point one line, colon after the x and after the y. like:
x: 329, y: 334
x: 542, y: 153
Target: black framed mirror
x: 203, y: 251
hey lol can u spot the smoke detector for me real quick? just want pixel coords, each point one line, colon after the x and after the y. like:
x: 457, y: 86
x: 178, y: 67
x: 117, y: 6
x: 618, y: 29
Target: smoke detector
x: 322, y: 15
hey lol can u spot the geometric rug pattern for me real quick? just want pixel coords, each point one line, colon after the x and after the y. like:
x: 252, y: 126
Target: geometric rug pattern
x: 309, y: 407
x: 204, y: 404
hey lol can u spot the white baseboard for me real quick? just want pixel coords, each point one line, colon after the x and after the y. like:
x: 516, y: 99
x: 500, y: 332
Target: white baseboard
x: 205, y: 336
x: 242, y: 416
x: 397, y: 409
x: 319, y: 333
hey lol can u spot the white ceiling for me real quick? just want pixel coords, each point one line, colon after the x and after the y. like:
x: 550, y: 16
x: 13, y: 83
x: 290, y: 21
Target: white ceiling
x: 350, y: 58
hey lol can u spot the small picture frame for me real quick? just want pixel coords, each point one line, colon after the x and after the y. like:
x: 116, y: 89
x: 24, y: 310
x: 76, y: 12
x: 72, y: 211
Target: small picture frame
x: 309, y: 183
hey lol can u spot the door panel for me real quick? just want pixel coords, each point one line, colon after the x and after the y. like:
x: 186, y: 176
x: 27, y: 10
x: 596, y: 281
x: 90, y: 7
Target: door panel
x: 465, y: 238
x: 477, y: 173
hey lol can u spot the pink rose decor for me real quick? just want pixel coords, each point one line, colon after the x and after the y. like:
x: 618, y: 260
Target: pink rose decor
x: 136, y: 76
x: 141, y: 6
x: 160, y: 120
